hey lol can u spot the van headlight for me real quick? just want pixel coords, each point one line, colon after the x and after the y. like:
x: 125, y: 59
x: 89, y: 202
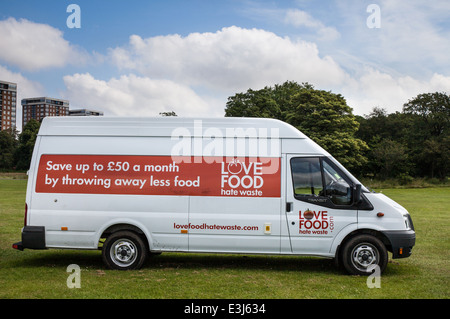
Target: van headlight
x: 408, y: 223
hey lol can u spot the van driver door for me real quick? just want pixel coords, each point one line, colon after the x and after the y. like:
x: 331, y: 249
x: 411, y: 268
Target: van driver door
x: 319, y: 203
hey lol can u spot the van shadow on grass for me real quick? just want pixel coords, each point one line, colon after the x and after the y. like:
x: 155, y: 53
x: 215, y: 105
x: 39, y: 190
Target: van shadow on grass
x: 239, y: 262
x: 187, y: 261
x: 56, y: 258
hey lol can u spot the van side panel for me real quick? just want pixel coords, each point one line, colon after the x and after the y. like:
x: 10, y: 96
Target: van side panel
x: 183, y: 202
x: 76, y: 220
x: 234, y: 224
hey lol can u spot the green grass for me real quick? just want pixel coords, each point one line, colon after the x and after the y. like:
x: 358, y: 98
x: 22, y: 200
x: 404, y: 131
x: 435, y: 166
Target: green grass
x: 42, y: 274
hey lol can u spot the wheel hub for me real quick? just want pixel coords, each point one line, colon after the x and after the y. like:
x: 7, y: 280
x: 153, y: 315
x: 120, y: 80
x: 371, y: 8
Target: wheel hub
x: 364, y: 255
x: 123, y: 252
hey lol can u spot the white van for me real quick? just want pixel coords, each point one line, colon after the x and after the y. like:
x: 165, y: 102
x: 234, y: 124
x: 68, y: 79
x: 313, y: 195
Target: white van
x: 136, y: 186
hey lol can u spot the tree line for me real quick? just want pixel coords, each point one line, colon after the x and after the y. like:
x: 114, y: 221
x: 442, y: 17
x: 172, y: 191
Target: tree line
x: 404, y: 145
x: 16, y: 149
x: 411, y: 143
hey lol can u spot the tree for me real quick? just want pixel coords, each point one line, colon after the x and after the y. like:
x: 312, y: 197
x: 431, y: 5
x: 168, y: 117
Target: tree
x: 324, y: 116
x: 27, y: 139
x: 385, y: 133
x: 435, y: 156
x: 391, y: 158
x: 414, y: 142
x: 7, y: 148
x: 430, y: 144
x: 433, y: 108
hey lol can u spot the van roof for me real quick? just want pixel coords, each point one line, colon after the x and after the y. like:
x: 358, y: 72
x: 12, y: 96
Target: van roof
x: 166, y: 126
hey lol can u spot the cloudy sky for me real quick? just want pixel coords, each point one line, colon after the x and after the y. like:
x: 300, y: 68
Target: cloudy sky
x: 147, y: 57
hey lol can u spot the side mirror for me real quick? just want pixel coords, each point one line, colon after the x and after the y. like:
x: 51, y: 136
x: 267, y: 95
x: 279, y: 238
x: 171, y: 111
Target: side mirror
x: 356, y: 193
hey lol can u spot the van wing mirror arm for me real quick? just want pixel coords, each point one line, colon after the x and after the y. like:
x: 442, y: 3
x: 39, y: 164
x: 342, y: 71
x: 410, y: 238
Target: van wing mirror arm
x: 356, y: 193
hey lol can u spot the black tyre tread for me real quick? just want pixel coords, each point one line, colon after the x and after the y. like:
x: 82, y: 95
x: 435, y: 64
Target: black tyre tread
x: 140, y: 244
x: 363, y: 238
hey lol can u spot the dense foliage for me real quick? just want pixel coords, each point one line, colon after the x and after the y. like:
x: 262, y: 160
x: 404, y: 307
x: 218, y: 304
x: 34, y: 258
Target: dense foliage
x: 407, y: 144
x: 324, y: 116
x: 411, y: 143
x: 16, y: 150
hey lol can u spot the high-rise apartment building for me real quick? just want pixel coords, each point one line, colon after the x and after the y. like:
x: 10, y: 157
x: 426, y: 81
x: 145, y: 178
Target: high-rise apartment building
x: 39, y: 107
x: 84, y: 112
x: 8, y: 97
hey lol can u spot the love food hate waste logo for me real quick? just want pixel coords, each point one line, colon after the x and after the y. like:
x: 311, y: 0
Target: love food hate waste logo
x: 315, y: 222
x: 241, y: 178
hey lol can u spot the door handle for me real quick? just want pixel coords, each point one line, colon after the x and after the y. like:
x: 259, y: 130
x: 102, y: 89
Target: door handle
x: 288, y: 207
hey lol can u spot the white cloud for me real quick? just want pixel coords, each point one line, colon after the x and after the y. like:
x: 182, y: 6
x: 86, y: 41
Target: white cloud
x: 414, y: 35
x: 299, y: 18
x: 234, y: 59
x: 413, y: 38
x: 303, y: 22
x: 194, y: 74
x: 25, y: 86
x: 133, y: 95
x: 376, y: 88
x: 228, y: 60
x: 34, y: 46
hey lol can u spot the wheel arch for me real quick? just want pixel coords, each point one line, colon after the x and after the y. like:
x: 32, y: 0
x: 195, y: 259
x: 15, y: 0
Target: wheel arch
x: 363, y: 231
x: 126, y: 226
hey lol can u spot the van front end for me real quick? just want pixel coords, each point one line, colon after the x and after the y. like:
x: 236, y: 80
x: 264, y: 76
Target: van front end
x: 402, y: 241
x: 393, y: 221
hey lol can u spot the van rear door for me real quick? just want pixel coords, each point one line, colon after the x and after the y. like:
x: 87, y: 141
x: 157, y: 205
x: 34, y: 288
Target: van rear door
x: 319, y: 203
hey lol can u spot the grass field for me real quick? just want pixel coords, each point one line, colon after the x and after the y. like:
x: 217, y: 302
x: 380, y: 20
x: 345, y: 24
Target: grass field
x: 42, y: 274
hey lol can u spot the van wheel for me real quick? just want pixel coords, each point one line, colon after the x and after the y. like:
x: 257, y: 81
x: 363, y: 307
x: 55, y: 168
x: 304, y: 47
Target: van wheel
x: 362, y: 254
x: 124, y: 250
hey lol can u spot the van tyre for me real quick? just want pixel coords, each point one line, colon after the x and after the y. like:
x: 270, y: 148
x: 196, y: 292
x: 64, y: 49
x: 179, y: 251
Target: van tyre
x: 124, y: 250
x: 361, y: 254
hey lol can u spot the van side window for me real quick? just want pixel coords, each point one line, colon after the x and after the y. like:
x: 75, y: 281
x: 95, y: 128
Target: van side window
x: 315, y: 177
x: 306, y: 176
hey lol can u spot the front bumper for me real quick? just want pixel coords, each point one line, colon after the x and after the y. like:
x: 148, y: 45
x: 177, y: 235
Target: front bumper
x: 33, y: 237
x: 402, y: 242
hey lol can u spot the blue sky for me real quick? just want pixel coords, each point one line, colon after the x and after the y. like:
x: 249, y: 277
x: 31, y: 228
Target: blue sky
x: 189, y: 56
